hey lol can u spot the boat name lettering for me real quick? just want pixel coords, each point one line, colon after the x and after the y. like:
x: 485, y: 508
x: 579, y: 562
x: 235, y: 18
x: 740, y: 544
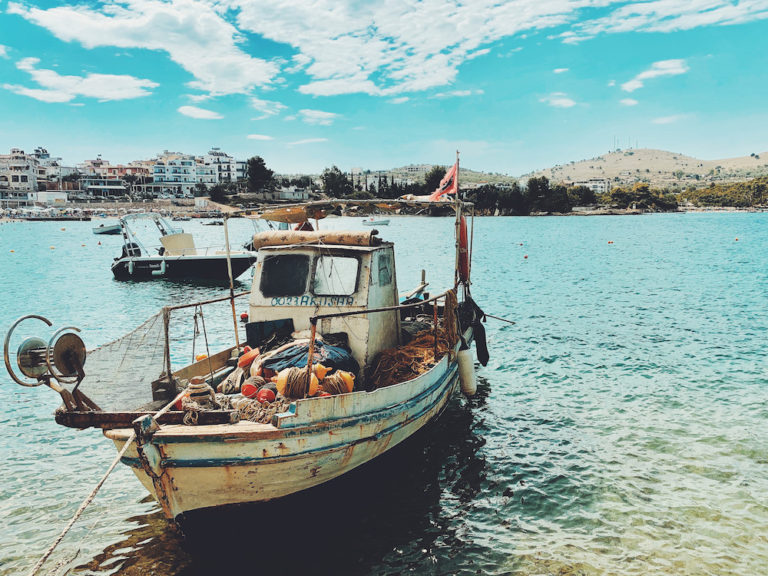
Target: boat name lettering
x: 312, y: 301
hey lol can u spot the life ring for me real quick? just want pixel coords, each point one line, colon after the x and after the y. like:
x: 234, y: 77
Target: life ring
x: 463, y: 251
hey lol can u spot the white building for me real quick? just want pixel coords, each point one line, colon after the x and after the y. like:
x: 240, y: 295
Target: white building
x: 175, y: 174
x: 18, y: 178
x: 597, y: 185
x: 227, y: 168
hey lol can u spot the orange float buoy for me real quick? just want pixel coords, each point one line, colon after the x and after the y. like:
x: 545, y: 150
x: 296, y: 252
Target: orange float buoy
x: 247, y: 358
x: 99, y: 242
x: 736, y: 240
x: 13, y: 251
x: 63, y: 229
x: 53, y: 247
x: 526, y: 256
x: 199, y: 357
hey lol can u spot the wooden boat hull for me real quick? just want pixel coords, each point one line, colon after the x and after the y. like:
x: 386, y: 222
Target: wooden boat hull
x: 196, y: 467
x: 213, y: 267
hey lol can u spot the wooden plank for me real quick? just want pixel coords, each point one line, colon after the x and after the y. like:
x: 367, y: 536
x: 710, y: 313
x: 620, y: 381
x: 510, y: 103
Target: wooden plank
x: 110, y: 420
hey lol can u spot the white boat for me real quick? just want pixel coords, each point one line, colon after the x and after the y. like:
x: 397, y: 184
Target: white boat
x: 372, y: 222
x: 177, y: 257
x: 109, y: 229
x: 323, y: 283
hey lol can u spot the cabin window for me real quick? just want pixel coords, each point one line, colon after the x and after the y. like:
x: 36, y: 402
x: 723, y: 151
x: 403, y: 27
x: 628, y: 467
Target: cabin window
x: 335, y: 276
x: 385, y: 268
x: 284, y: 275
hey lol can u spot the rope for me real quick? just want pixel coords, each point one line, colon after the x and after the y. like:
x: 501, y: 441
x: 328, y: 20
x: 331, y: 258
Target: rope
x: 334, y: 384
x: 449, y: 318
x: 83, y: 506
x: 297, y: 383
x: 93, y: 493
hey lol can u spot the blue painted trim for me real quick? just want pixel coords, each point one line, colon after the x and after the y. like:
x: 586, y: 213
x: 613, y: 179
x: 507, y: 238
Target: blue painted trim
x: 448, y: 377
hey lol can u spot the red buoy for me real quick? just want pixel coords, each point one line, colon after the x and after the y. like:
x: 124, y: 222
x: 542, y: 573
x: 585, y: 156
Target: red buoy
x: 249, y: 390
x: 265, y: 395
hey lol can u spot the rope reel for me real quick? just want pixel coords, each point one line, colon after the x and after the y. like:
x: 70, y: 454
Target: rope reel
x: 58, y: 361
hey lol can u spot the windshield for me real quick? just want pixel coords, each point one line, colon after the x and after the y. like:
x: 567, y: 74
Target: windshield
x: 335, y: 276
x: 285, y: 275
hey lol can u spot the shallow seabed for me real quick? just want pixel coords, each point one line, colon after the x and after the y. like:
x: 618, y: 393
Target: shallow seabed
x: 620, y: 427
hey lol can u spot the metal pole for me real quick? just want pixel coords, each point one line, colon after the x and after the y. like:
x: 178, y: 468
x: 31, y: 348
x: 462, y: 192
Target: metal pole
x: 231, y: 283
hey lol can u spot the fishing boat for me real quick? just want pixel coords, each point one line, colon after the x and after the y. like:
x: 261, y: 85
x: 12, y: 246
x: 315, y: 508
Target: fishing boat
x: 373, y: 222
x: 177, y: 257
x: 108, y: 229
x: 356, y: 371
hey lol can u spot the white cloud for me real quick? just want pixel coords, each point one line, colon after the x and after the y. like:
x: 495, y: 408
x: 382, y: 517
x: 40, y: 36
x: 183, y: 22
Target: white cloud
x: 307, y: 141
x: 318, y: 117
x: 3, y: 51
x: 55, y: 87
x: 458, y: 94
x: 560, y: 70
x: 558, y: 100
x: 628, y: 102
x: 661, y: 68
x: 347, y: 46
x: 400, y: 100
x: 266, y: 107
x: 668, y: 119
x: 193, y: 33
x: 199, y: 113
x: 612, y: 83
x: 262, y: 137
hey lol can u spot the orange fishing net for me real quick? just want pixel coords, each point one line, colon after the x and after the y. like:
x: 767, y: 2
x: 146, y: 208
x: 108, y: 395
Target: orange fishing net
x: 406, y: 362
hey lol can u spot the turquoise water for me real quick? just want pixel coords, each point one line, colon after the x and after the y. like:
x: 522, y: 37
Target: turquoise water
x: 620, y: 425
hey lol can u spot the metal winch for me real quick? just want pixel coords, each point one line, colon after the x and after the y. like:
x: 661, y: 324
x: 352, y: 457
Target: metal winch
x: 54, y: 363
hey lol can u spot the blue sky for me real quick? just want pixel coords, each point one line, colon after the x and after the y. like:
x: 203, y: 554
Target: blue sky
x: 515, y: 86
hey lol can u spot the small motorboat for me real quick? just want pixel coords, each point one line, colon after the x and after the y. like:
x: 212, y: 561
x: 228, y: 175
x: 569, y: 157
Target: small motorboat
x: 373, y: 222
x: 177, y: 256
x: 214, y: 223
x: 110, y: 229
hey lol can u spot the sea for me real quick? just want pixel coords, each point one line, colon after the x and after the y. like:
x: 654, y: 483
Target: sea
x: 620, y: 426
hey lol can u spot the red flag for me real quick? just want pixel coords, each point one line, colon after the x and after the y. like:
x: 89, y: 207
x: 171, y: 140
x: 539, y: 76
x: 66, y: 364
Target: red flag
x: 448, y: 185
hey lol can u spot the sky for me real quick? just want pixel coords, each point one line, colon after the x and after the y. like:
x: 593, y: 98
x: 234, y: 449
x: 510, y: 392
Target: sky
x: 513, y: 86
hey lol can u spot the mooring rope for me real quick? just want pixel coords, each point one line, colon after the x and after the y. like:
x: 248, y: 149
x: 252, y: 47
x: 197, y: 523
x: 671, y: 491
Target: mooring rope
x: 93, y: 493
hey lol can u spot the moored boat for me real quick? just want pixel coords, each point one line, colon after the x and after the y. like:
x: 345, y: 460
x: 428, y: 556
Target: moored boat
x: 177, y: 257
x: 373, y: 222
x: 108, y: 229
x: 336, y: 371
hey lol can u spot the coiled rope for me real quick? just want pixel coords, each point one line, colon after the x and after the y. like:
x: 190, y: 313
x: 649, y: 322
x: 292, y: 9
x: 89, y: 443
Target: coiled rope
x: 334, y: 384
x: 296, y: 383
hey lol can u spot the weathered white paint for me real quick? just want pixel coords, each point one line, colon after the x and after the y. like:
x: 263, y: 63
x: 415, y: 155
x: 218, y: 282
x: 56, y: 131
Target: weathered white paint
x: 206, y: 466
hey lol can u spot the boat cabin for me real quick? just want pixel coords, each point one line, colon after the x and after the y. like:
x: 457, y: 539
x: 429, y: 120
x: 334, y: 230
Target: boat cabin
x: 299, y: 281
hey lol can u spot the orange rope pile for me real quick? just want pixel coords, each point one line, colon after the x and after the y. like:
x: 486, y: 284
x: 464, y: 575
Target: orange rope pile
x: 406, y: 362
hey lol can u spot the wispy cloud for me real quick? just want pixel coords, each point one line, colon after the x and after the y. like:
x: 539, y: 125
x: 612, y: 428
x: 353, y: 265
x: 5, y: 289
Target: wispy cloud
x: 628, y: 102
x: 307, y: 141
x: 55, y: 87
x: 318, y: 117
x: 558, y: 100
x: 560, y: 70
x: 266, y: 107
x: 192, y: 33
x: 661, y: 68
x: 400, y: 100
x: 376, y: 48
x: 262, y: 137
x: 458, y: 94
x: 199, y: 113
x: 3, y: 51
x: 669, y: 119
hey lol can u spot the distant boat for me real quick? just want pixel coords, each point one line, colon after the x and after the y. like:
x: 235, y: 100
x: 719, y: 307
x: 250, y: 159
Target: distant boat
x: 373, y: 222
x: 181, y: 218
x: 111, y: 229
x: 214, y: 223
x: 177, y: 257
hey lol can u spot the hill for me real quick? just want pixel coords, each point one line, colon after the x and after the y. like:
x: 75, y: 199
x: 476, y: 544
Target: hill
x: 659, y: 168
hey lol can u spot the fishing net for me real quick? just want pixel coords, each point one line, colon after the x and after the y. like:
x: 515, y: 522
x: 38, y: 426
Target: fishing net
x: 119, y: 375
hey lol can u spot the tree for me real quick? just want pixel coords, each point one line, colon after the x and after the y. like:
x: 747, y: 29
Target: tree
x: 218, y: 194
x: 259, y: 176
x: 201, y: 189
x: 335, y: 183
x: 432, y: 179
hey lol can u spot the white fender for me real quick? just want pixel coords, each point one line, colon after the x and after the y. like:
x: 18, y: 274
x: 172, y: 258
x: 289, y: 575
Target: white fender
x: 160, y: 272
x: 467, y: 372
x: 130, y: 267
